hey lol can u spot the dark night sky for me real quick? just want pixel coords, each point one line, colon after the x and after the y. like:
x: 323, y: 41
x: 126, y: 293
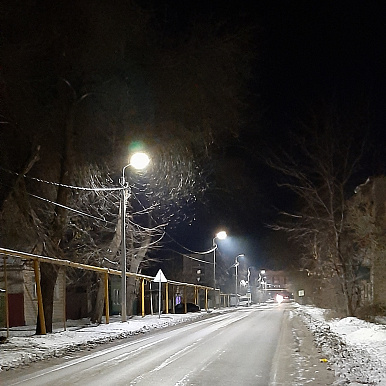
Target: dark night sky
x: 308, y: 52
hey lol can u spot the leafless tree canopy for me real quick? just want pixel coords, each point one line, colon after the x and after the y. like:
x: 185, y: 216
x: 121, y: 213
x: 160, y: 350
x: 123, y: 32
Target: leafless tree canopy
x: 81, y: 84
x: 319, y: 168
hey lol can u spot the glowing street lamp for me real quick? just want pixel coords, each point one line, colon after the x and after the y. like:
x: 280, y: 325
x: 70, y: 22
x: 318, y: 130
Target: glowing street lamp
x: 236, y: 269
x: 249, y: 285
x: 138, y: 161
x: 221, y: 236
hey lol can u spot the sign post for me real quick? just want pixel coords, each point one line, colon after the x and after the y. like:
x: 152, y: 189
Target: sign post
x: 301, y: 295
x: 160, y: 278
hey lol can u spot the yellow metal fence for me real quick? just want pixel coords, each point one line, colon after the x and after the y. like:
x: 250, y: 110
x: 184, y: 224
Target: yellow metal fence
x: 106, y: 272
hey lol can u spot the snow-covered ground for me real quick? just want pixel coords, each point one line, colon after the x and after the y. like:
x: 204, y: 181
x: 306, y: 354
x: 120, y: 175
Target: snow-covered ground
x: 354, y: 349
x: 24, y: 347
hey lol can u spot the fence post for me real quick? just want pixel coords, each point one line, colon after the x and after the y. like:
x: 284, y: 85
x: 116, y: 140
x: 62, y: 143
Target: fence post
x: 143, y: 297
x: 6, y: 296
x: 40, y: 299
x: 185, y: 300
x: 64, y: 271
x: 166, y: 298
x: 173, y: 299
x: 107, y: 305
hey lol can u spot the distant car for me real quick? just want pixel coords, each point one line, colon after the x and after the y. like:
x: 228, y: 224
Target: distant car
x: 191, y: 307
x: 244, y: 301
x: 284, y: 297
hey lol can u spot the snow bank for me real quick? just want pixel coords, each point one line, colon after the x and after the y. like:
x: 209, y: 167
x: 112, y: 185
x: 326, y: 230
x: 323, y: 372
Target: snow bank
x: 18, y: 351
x: 355, y: 349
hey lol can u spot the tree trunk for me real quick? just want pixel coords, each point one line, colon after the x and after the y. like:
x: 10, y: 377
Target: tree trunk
x: 97, y: 311
x: 132, y: 295
x: 48, y: 276
x: 59, y: 223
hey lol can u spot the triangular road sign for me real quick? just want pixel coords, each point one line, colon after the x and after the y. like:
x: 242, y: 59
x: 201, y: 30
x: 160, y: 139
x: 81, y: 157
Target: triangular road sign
x: 160, y: 277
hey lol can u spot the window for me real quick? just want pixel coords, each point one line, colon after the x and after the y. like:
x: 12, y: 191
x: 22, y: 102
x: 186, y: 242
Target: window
x: 56, y: 291
x: 116, y: 296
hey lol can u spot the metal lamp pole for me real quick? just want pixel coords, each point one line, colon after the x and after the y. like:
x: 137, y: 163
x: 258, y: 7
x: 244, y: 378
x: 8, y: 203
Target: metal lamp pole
x: 236, y: 269
x: 221, y: 236
x: 214, y: 263
x: 249, y: 285
x: 123, y: 246
x: 137, y: 161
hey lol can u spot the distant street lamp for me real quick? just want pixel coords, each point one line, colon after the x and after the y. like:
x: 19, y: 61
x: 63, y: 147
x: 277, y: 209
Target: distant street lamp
x: 236, y: 269
x: 249, y: 273
x: 138, y: 161
x: 262, y: 281
x: 221, y: 236
x: 249, y: 285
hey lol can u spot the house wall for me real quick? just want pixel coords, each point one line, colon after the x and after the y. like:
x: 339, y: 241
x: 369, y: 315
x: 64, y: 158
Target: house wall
x: 273, y: 282
x: 373, y: 193
x: 196, y: 271
x: 379, y: 261
x: 30, y: 296
x: 13, y: 269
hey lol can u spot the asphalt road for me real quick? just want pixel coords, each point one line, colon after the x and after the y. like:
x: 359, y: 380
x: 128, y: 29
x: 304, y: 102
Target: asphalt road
x: 250, y: 346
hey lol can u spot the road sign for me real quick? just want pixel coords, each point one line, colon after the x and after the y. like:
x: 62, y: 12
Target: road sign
x: 160, y: 277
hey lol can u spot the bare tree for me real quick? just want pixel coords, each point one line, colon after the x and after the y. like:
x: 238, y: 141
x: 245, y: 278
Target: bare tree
x: 82, y: 87
x: 158, y: 199
x: 319, y: 167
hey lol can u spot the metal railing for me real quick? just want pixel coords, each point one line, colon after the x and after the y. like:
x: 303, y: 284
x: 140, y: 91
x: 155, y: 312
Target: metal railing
x: 37, y: 259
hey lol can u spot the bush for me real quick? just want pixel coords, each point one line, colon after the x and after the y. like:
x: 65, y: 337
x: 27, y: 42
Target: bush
x: 369, y: 312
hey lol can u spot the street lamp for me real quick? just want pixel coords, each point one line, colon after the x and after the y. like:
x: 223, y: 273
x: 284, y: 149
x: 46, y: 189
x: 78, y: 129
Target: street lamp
x: 249, y: 273
x: 221, y: 236
x: 249, y: 285
x: 138, y: 161
x: 236, y: 269
x: 262, y: 277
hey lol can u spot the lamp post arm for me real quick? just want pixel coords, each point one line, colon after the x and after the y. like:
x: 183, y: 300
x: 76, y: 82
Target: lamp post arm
x: 123, y: 179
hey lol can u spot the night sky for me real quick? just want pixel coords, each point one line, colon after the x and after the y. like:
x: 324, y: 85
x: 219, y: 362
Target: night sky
x: 308, y: 53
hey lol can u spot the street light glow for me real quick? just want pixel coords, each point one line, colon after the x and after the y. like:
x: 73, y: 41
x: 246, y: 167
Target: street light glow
x: 221, y: 235
x: 139, y: 160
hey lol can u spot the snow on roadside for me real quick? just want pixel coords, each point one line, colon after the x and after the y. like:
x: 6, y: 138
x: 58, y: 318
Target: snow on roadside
x: 355, y: 349
x: 81, y: 335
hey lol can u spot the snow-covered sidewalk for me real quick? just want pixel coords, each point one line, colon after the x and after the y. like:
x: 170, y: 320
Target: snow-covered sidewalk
x: 355, y: 350
x: 23, y: 347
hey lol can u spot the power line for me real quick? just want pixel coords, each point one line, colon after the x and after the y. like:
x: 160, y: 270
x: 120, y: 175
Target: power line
x: 71, y: 209
x: 89, y: 215
x: 62, y: 185
x: 199, y: 260
x: 189, y: 250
